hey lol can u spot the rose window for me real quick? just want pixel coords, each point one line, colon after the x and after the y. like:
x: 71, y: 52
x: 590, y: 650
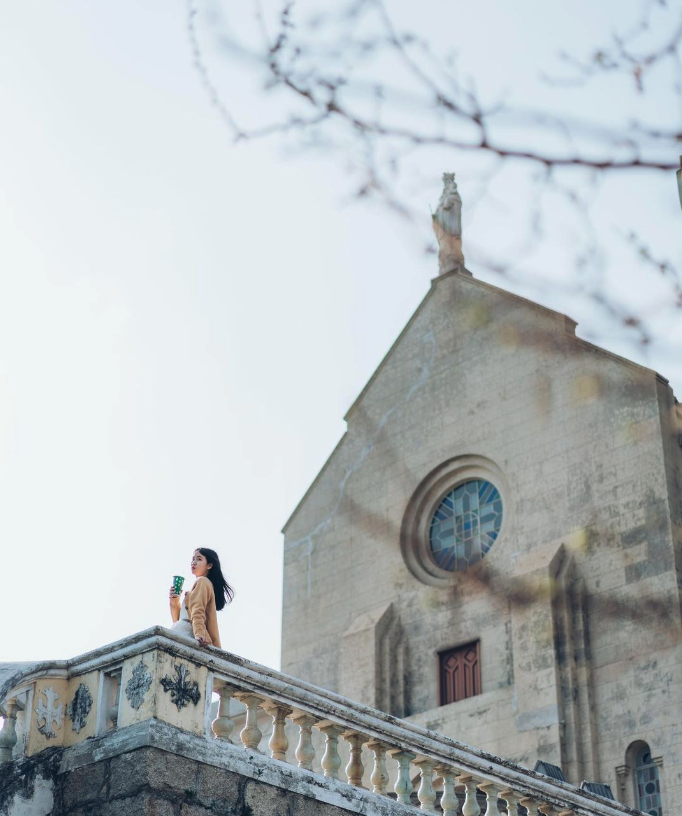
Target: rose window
x: 465, y: 525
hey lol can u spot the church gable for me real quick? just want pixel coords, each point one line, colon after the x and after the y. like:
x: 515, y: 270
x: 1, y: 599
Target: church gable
x: 474, y: 552
x: 470, y: 345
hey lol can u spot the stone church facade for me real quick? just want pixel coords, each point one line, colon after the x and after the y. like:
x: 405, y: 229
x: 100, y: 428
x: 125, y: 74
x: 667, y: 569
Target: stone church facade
x: 493, y: 548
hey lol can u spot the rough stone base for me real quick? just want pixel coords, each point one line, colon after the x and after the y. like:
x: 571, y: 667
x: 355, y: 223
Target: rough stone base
x: 157, y: 770
x: 146, y: 781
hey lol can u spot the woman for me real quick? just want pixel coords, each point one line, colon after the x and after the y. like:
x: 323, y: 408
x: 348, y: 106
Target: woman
x: 197, y: 616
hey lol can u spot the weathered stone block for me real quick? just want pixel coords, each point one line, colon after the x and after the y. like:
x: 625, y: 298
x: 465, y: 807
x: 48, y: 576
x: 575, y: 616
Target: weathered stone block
x: 216, y: 785
x: 197, y: 810
x: 265, y: 800
x: 128, y: 774
x: 152, y: 769
x: 144, y: 804
x: 169, y: 772
x: 159, y: 807
x: 85, y: 785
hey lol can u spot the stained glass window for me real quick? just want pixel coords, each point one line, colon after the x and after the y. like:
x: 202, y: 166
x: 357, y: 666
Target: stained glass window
x: 647, y: 784
x: 465, y: 525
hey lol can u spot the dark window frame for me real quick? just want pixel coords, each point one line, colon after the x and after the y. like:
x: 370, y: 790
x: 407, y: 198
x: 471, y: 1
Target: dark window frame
x: 444, y: 688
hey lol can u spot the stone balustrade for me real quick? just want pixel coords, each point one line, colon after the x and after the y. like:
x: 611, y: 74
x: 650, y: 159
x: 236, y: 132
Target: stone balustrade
x: 157, y: 675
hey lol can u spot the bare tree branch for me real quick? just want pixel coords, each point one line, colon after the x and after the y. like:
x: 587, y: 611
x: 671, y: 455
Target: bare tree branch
x: 327, y: 79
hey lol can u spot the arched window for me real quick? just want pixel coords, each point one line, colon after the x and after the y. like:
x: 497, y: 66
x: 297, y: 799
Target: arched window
x: 647, y: 782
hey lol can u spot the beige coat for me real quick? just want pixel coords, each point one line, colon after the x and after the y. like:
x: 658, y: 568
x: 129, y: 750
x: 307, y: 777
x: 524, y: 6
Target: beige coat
x: 200, y: 604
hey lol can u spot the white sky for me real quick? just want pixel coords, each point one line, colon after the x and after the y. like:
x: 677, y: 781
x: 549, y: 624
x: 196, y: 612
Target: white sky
x: 183, y: 323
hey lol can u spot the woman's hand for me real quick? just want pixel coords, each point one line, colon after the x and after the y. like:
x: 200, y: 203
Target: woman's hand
x: 174, y: 599
x: 202, y: 641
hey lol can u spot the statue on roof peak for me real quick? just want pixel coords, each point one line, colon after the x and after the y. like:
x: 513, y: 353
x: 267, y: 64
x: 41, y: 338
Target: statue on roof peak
x: 447, y: 224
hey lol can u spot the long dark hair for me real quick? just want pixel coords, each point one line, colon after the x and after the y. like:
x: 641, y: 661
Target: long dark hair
x: 223, y: 591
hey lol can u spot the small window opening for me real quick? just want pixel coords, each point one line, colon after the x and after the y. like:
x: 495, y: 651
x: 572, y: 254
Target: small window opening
x: 460, y: 673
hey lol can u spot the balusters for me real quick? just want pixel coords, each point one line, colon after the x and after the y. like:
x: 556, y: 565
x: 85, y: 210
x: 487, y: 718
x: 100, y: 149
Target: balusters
x: 470, y: 806
x: 108, y: 699
x: 531, y: 805
x: 426, y: 794
x: 223, y: 726
x: 112, y: 711
x: 449, y: 801
x: 8, y: 735
x: 548, y: 810
x: 512, y: 799
x: 355, y: 770
x: 403, y: 784
x: 379, y: 778
x: 278, y: 741
x: 251, y: 734
x: 331, y: 761
x: 491, y: 793
x: 305, y: 752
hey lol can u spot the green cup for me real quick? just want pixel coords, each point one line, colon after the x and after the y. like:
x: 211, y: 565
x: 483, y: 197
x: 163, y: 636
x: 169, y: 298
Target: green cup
x: 178, y: 581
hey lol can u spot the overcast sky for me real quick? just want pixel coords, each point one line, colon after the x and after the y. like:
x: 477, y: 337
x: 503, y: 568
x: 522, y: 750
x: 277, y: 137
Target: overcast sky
x: 183, y: 322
